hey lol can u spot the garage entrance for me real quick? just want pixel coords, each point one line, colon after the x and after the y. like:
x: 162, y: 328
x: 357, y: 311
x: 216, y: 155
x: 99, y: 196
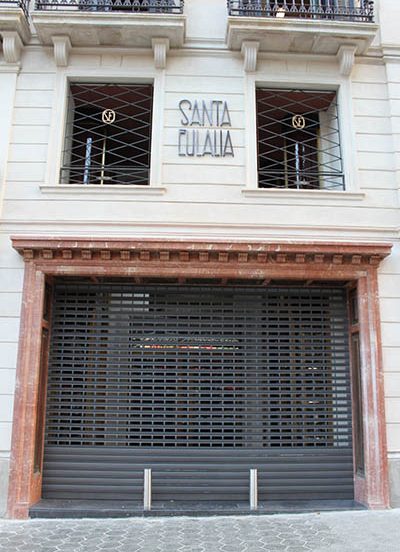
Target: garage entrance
x: 199, y: 383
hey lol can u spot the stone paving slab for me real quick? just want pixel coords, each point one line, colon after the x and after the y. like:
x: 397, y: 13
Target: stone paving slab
x: 325, y: 532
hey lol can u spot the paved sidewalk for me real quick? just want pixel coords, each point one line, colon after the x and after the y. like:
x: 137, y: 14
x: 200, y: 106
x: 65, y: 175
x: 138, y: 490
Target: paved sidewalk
x: 325, y: 532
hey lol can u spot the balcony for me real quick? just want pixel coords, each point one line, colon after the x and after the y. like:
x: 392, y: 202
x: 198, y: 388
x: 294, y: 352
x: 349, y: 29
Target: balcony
x: 14, y: 27
x: 123, y: 23
x: 302, y: 26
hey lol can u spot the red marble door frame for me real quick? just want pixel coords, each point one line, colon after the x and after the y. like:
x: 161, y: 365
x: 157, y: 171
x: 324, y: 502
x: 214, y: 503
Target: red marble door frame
x: 135, y: 259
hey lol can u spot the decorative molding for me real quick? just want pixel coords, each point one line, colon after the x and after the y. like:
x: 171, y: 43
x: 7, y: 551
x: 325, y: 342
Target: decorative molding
x: 160, y: 49
x: 137, y: 260
x: 154, y: 251
x: 346, y: 57
x: 62, y: 48
x: 100, y: 191
x: 249, y: 52
x: 12, y: 46
x: 284, y: 194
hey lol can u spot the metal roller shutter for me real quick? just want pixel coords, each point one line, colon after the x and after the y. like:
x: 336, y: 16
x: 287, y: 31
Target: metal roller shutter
x: 200, y: 384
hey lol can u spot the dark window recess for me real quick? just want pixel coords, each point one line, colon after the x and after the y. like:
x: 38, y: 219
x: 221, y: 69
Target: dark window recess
x: 108, y: 134
x: 198, y: 367
x: 298, y: 140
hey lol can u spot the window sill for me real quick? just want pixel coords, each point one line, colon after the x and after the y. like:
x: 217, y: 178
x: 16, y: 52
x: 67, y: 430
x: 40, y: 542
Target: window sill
x: 80, y: 189
x: 269, y: 193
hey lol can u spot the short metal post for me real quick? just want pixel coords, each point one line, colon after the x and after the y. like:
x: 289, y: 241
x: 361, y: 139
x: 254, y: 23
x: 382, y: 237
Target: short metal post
x: 253, y: 490
x: 147, y: 490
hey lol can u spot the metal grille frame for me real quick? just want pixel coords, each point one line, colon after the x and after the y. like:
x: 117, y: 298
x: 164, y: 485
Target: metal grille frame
x: 339, y: 10
x: 12, y: 4
x: 298, y: 139
x: 108, y: 134
x: 171, y: 377
x: 129, y: 6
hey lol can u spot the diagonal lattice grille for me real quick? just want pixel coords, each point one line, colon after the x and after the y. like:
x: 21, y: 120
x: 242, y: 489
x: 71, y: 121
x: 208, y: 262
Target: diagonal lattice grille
x: 108, y: 134
x: 342, y: 10
x: 298, y: 140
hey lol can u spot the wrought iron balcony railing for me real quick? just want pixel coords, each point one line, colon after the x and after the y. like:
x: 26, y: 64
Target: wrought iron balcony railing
x: 341, y: 10
x: 23, y: 4
x: 132, y: 6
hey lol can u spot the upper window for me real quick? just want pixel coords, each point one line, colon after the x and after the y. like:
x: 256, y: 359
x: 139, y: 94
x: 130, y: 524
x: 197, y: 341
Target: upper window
x: 298, y: 140
x: 108, y: 134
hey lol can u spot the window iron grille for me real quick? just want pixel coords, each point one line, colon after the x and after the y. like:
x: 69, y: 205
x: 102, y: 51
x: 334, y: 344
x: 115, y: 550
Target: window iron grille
x: 342, y: 10
x: 23, y: 4
x: 133, y: 6
x: 298, y: 140
x: 108, y: 135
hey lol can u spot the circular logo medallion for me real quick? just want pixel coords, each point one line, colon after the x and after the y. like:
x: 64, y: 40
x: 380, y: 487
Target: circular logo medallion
x: 108, y: 116
x: 298, y: 121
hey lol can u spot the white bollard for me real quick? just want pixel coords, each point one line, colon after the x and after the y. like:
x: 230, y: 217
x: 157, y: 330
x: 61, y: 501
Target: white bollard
x: 147, y: 490
x: 253, y: 490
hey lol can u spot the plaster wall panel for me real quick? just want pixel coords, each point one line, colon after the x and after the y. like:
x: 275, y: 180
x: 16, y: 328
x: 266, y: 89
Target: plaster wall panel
x: 8, y: 355
x: 375, y: 180
x: 390, y: 334
x: 391, y: 359
x: 201, y: 25
x: 374, y: 91
x: 392, y: 385
x: 90, y: 62
x: 18, y: 172
x: 36, y: 81
x: 10, y: 304
x: 225, y: 64
x: 393, y: 437
x: 5, y: 435
x: 393, y: 410
x: 372, y: 108
x: 7, y: 377
x: 390, y: 310
x: 367, y: 73
x: 9, y: 328
x: 11, y: 279
x: 389, y: 285
x: 6, y: 411
x: 197, y: 84
x: 380, y: 143
x: 9, y: 258
x: 372, y: 125
x: 34, y: 98
x: 4, y: 463
x: 27, y: 116
x: 7, y: 88
x: 32, y: 134
x: 389, y: 15
x: 28, y: 153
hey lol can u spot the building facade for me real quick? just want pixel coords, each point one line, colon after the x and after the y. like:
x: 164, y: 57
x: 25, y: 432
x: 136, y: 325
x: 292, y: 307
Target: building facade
x: 199, y: 257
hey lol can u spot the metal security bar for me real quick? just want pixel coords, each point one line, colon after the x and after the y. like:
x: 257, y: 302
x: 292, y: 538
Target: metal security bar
x: 298, y: 140
x: 198, y: 367
x: 108, y: 134
x: 342, y: 10
x: 132, y: 6
x: 23, y: 4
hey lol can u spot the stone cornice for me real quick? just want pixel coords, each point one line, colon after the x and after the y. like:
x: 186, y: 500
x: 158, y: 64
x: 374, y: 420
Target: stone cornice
x: 199, y: 252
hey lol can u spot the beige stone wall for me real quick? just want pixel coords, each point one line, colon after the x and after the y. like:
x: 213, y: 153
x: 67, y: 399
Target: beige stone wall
x: 203, y: 197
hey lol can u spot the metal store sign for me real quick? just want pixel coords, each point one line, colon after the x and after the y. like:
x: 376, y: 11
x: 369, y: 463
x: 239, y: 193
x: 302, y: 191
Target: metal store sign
x: 205, y: 131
